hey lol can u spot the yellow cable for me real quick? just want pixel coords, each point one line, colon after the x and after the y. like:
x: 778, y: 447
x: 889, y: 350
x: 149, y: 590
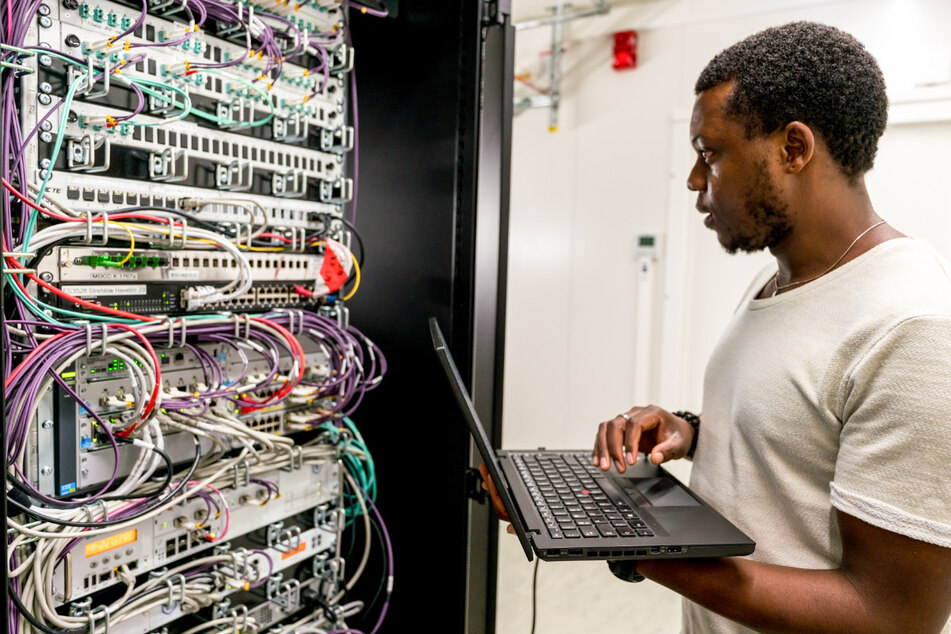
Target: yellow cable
x: 356, y: 281
x: 131, y: 243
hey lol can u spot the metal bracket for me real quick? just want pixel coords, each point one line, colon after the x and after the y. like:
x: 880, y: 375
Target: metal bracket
x: 295, y: 458
x: 164, y: 166
x: 341, y: 60
x: 326, y: 518
x: 330, y: 570
x: 235, y: 176
x: 238, y: 480
x: 289, y: 184
x: 81, y: 154
x: 171, y: 603
x: 556, y: 21
x: 104, y: 612
x: 273, y: 585
x: 225, y: 111
x: 87, y: 75
x: 80, y: 608
x: 220, y: 609
x: 161, y: 101
x: 287, y: 596
x: 337, y: 141
x: 339, y: 191
x: 290, y: 129
x: 277, y: 535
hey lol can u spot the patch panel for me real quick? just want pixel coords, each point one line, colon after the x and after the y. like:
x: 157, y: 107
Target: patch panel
x: 98, y: 193
x: 182, y: 152
x: 155, y: 281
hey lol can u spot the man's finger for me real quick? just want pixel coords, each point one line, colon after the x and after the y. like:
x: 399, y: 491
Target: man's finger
x: 670, y: 449
x: 632, y: 439
x: 615, y: 439
x: 493, y: 493
x: 600, y: 458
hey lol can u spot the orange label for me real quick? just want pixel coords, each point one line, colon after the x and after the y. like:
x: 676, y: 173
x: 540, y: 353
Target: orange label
x: 296, y: 551
x: 108, y: 543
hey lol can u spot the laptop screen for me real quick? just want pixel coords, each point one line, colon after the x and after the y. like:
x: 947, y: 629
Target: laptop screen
x: 478, y: 433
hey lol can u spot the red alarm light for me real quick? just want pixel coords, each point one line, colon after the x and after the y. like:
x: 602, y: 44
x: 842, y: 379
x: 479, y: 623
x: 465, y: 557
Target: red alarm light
x: 625, y: 50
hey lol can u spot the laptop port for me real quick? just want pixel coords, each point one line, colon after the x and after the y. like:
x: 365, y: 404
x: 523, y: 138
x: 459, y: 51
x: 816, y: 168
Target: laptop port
x: 655, y: 549
x: 674, y: 549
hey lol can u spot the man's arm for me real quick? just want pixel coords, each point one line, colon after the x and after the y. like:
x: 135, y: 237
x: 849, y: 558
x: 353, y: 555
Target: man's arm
x: 886, y: 583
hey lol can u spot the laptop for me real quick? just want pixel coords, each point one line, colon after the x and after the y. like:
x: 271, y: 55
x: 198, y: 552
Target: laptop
x: 564, y: 508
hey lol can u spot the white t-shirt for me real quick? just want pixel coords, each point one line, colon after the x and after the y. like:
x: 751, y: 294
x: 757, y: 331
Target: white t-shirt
x: 834, y: 395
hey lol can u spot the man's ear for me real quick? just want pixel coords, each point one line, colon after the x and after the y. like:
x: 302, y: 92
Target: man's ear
x: 799, y: 144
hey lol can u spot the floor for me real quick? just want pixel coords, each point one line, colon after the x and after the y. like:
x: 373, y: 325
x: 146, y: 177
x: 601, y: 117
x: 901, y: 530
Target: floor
x: 578, y: 597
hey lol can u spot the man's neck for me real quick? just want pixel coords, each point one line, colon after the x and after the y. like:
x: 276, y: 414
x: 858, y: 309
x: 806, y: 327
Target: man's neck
x: 833, y: 222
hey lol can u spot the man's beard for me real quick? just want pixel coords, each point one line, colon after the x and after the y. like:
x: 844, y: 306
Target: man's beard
x: 770, y: 216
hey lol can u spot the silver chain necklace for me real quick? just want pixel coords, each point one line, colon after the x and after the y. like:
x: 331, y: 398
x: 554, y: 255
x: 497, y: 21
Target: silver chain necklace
x: 834, y: 264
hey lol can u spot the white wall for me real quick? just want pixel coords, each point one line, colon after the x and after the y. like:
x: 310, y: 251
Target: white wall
x: 616, y: 168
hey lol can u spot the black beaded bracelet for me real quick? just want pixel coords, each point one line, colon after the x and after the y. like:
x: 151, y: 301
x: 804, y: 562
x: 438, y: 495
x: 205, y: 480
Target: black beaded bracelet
x: 694, y: 421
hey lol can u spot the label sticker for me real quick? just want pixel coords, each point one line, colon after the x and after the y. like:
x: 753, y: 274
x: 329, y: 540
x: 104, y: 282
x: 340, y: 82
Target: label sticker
x: 187, y: 275
x: 103, y: 291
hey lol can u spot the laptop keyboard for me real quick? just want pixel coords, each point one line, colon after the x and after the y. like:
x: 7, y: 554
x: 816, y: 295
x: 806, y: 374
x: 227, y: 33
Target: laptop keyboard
x: 570, y: 501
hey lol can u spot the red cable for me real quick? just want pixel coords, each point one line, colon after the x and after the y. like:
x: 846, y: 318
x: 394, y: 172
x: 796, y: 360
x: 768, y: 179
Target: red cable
x: 111, y: 311
x: 297, y: 349
x: 119, y: 216
x: 30, y: 357
x: 125, y: 433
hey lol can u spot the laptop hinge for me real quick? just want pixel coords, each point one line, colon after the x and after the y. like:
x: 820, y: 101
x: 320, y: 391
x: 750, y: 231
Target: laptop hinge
x: 474, y: 490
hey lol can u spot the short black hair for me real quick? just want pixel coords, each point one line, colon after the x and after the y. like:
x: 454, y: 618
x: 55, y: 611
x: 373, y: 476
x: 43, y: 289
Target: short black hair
x: 808, y: 72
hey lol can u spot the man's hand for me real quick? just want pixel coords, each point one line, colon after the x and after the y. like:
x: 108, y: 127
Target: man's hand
x: 489, y: 486
x: 651, y: 430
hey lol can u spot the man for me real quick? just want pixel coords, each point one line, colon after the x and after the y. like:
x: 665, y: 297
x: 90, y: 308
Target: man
x: 825, y: 430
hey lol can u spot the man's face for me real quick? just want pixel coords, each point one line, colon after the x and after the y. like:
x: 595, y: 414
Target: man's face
x: 733, y: 178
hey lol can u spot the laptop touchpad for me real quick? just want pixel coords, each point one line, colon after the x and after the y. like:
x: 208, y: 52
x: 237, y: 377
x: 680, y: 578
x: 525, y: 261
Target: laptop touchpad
x: 658, y: 491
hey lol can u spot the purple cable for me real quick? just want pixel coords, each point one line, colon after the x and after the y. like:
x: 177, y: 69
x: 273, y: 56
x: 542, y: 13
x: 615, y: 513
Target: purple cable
x: 379, y: 13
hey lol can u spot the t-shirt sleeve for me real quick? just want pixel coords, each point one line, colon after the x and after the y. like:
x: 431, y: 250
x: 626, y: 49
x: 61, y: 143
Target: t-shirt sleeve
x: 894, y: 464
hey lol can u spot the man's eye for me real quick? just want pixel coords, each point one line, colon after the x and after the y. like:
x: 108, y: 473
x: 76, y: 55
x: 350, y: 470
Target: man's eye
x: 704, y: 155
